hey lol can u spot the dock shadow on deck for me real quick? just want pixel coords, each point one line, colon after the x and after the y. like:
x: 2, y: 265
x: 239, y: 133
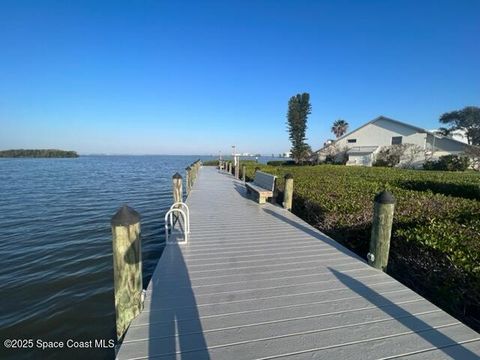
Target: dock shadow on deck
x: 257, y: 282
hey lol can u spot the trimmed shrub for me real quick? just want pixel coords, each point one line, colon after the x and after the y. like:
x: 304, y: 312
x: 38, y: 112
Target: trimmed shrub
x: 448, y: 163
x: 390, y: 156
x: 210, y: 163
x: 281, y: 163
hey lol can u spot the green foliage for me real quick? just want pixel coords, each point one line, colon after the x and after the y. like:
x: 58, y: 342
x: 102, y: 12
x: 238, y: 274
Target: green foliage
x: 447, y: 187
x: 448, y: 163
x: 390, y: 156
x: 298, y: 110
x: 38, y: 153
x: 210, y: 163
x: 467, y: 119
x: 436, y: 230
x: 473, y: 153
x: 280, y: 162
x: 339, y: 127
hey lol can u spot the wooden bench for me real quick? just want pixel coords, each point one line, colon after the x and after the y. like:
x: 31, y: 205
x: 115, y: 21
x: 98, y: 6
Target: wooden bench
x: 263, y: 184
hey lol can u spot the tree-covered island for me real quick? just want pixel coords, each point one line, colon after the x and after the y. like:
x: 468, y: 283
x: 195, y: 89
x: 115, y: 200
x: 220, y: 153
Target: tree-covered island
x: 38, y: 153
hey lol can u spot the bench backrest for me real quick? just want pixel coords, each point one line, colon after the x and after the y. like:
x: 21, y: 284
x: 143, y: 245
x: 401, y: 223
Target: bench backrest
x: 264, y: 180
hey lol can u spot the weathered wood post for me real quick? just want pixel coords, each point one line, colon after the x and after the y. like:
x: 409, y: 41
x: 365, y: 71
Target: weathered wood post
x: 273, y: 200
x: 288, y: 192
x: 177, y: 188
x: 197, y: 168
x: 188, y: 179
x: 237, y: 170
x: 384, y: 207
x: 127, y: 267
x: 229, y: 167
x: 193, y: 173
x: 244, y: 170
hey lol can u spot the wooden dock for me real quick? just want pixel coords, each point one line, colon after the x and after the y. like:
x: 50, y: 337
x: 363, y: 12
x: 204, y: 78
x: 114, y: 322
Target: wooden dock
x: 257, y: 282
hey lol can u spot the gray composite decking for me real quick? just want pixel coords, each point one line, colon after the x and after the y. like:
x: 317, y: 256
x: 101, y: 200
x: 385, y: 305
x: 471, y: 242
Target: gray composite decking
x: 256, y: 282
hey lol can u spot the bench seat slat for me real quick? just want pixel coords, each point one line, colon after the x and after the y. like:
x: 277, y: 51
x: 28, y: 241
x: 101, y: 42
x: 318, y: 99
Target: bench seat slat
x: 259, y: 189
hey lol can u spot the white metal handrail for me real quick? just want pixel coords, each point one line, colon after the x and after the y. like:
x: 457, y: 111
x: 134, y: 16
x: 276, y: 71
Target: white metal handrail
x: 187, y: 211
x: 169, y: 220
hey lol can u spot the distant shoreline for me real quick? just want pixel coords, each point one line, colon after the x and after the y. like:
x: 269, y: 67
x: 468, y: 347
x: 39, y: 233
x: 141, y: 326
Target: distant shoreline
x: 37, y: 153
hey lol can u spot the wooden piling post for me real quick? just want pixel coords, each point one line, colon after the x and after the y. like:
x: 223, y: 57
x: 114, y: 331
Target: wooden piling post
x: 384, y: 207
x: 237, y: 170
x: 177, y: 188
x: 244, y: 170
x: 195, y: 166
x: 274, y: 197
x: 127, y: 267
x: 193, y: 173
x: 288, y: 192
x: 188, y: 179
x: 229, y: 167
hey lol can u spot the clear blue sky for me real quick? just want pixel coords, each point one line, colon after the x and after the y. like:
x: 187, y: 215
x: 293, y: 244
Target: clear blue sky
x: 177, y: 77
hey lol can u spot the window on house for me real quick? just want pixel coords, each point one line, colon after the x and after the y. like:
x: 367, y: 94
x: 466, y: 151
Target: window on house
x: 396, y: 140
x: 351, y: 141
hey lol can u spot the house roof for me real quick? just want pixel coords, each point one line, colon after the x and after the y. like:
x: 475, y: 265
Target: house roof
x: 381, y: 117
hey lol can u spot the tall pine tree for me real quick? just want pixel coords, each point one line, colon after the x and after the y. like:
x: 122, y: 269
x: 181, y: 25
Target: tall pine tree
x: 298, y: 110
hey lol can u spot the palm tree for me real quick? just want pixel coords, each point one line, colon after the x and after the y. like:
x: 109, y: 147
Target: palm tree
x: 339, y: 127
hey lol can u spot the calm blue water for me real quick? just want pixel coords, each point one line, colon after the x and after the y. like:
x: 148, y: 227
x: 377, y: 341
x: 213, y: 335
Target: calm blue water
x: 56, y: 277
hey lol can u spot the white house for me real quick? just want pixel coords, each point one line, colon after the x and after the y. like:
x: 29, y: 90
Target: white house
x: 362, y: 144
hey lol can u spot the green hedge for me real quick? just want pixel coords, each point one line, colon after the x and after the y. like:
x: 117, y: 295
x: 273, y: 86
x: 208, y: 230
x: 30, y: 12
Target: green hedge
x: 448, y: 163
x: 436, y: 232
x: 210, y: 163
x: 281, y: 163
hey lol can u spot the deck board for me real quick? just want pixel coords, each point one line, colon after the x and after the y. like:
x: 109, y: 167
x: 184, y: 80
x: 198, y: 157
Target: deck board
x: 257, y: 282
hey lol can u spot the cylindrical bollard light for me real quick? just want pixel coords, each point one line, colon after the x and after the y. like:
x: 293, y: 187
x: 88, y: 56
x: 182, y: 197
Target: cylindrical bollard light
x: 127, y: 267
x: 383, y: 210
x: 288, y: 192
